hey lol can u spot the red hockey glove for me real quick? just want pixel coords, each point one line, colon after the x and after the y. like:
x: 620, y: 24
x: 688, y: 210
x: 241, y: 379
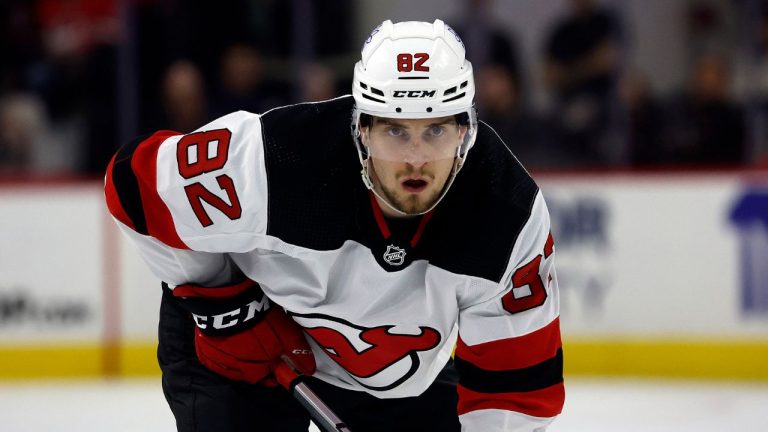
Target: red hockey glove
x: 240, y: 335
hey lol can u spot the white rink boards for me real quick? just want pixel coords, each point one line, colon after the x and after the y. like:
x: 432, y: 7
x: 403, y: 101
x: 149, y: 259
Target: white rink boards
x: 660, y: 275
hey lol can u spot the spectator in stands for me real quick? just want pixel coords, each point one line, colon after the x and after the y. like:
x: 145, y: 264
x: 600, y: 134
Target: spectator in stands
x: 489, y: 43
x: 759, y: 83
x: 705, y: 126
x: 643, y: 116
x: 81, y: 39
x: 499, y: 102
x: 184, y: 99
x: 582, y: 63
x: 20, y: 43
x: 751, y: 79
x: 22, y: 132
x: 329, y: 26
x: 318, y: 83
x: 241, y: 84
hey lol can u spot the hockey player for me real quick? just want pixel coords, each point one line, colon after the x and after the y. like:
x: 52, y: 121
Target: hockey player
x: 271, y: 247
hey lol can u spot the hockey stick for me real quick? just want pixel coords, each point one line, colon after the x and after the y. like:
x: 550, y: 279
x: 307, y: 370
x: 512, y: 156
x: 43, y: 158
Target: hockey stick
x: 288, y: 377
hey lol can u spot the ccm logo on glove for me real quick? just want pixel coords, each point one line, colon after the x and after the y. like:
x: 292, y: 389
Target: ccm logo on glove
x: 240, y: 335
x: 233, y: 317
x: 223, y: 310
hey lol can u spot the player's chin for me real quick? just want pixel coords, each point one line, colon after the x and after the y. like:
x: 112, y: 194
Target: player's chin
x: 418, y: 203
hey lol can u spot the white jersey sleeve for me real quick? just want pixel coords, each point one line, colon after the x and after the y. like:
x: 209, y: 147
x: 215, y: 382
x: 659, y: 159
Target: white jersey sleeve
x: 509, y: 352
x: 179, y: 266
x: 187, y: 200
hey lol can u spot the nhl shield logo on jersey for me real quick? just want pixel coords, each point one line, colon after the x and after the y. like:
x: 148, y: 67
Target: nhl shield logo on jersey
x: 394, y: 255
x: 378, y: 358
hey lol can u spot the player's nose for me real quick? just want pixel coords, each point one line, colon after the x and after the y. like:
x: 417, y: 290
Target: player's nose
x: 417, y: 154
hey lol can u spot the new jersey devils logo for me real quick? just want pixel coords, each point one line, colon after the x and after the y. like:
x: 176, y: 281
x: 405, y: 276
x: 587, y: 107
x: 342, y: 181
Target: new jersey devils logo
x: 375, y: 357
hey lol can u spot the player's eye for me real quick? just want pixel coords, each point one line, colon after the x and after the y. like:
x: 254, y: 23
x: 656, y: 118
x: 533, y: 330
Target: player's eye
x: 396, y: 131
x: 436, y: 131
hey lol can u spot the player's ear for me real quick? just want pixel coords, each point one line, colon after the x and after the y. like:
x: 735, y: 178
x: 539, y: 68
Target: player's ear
x: 364, y: 136
x: 462, y: 133
x: 364, y: 127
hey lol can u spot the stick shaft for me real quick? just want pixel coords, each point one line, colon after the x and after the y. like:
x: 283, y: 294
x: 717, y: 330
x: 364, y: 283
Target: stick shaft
x: 288, y: 376
x: 318, y: 410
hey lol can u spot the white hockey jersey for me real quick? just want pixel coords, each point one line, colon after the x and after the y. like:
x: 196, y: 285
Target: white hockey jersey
x: 278, y: 197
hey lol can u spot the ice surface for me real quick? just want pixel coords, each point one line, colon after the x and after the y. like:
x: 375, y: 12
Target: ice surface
x: 599, y: 405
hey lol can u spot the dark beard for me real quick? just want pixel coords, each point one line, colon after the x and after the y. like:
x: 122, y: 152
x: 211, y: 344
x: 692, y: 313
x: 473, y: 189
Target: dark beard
x: 411, y: 205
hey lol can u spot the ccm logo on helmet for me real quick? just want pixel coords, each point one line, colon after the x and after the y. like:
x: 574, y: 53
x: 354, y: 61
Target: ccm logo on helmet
x: 414, y: 94
x: 233, y: 317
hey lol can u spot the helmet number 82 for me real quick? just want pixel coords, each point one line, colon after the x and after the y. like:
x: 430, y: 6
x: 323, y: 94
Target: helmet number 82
x: 405, y: 62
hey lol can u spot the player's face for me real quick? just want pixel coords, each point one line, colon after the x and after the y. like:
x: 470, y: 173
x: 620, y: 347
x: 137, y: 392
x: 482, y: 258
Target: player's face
x: 411, y: 159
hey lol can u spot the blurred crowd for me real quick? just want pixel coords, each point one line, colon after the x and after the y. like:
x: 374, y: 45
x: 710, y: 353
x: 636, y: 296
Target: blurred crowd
x: 80, y: 77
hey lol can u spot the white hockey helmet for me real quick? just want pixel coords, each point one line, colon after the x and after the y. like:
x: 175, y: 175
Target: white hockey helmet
x: 414, y: 70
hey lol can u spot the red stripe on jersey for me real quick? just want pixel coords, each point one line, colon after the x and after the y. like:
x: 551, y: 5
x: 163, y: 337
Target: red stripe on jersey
x: 144, y: 164
x: 227, y: 291
x: 549, y: 246
x: 422, y: 226
x: 547, y: 402
x: 384, y: 227
x: 514, y: 353
x: 379, y: 215
x: 113, y: 200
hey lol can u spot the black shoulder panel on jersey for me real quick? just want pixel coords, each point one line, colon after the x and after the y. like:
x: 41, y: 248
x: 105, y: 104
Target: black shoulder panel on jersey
x: 127, y: 186
x: 317, y: 199
x: 477, y: 224
x: 313, y: 173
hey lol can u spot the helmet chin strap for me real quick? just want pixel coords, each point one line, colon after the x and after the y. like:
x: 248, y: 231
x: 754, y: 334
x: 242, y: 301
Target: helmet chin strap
x: 365, y: 174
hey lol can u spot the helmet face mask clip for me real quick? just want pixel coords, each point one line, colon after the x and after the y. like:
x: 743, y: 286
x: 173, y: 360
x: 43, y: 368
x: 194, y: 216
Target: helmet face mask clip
x: 413, y: 70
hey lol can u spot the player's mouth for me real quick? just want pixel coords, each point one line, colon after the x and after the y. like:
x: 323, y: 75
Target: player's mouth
x: 414, y: 185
